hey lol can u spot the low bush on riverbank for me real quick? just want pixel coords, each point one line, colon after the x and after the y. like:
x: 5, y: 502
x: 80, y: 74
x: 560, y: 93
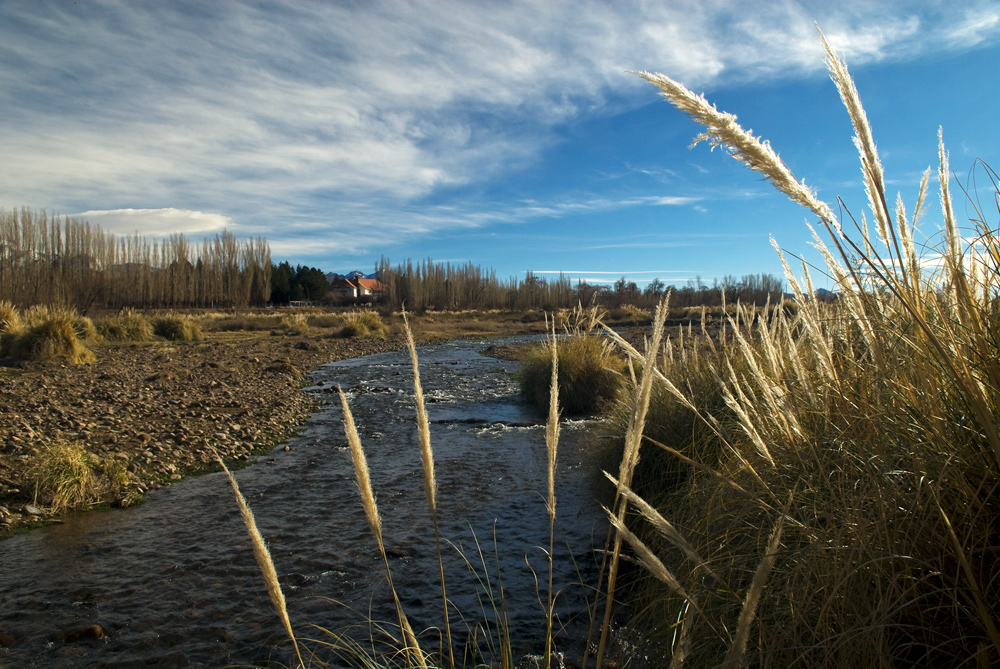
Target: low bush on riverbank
x: 590, y: 374
x: 66, y: 477
x: 177, y: 328
x: 127, y: 326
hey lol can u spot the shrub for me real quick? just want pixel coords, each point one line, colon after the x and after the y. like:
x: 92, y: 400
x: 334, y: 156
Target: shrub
x: 128, y: 326
x: 589, y: 374
x: 54, y: 338
x: 177, y: 328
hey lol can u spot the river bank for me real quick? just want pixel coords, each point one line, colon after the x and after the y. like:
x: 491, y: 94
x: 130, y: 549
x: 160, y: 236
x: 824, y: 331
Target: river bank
x: 163, y: 409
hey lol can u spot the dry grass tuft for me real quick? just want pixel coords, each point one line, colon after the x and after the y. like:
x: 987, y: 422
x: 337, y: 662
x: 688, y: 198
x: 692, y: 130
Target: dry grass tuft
x: 52, y: 339
x: 589, y: 374
x: 130, y: 325
x: 363, y: 325
x: 67, y: 477
x: 177, y: 328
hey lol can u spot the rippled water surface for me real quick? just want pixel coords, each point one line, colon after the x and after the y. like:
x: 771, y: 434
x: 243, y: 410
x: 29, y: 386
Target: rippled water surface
x: 174, y: 583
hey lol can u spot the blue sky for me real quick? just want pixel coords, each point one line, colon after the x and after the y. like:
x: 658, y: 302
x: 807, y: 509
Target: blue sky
x: 508, y: 134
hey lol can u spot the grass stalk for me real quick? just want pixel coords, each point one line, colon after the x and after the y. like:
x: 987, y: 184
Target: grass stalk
x: 630, y: 459
x: 412, y: 648
x: 263, y: 557
x: 430, y: 482
x: 552, y: 444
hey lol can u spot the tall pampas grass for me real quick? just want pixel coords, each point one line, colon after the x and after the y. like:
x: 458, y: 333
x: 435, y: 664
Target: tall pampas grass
x: 414, y: 654
x: 877, y: 414
x: 430, y: 482
x: 264, y: 562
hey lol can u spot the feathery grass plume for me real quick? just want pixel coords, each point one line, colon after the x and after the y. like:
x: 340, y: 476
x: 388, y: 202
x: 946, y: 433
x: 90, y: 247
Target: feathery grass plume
x: 412, y: 648
x: 263, y: 558
x: 430, y: 482
x: 723, y: 130
x: 648, y: 560
x: 551, y: 447
x: 630, y: 459
x: 663, y: 526
x: 878, y: 412
x: 863, y: 140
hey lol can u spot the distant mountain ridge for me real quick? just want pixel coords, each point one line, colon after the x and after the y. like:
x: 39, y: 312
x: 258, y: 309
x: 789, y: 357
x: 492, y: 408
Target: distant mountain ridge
x: 356, y: 274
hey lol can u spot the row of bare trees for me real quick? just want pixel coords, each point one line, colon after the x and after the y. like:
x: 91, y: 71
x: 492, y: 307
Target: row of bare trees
x: 48, y: 260
x: 429, y: 285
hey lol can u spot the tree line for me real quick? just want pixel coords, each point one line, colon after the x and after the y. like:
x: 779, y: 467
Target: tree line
x: 297, y: 283
x: 426, y: 284
x: 68, y: 261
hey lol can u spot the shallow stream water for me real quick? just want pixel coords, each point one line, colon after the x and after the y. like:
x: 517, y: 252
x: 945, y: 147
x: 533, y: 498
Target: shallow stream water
x: 173, y: 582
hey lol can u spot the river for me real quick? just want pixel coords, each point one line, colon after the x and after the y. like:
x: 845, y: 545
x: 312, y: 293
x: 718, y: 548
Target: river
x: 173, y: 582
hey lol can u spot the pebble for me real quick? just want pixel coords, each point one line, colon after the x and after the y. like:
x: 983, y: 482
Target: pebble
x: 32, y: 510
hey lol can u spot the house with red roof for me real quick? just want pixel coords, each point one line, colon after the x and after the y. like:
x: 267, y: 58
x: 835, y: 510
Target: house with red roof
x: 357, y: 288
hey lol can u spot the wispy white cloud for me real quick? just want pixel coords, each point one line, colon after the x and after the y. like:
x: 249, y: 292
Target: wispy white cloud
x: 157, y: 222
x: 295, y: 119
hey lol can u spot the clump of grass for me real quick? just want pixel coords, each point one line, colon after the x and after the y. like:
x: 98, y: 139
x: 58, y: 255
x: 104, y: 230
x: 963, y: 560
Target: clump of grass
x: 848, y: 508
x: 177, y: 328
x: 292, y: 325
x: 11, y: 326
x: 129, y: 325
x: 51, y: 339
x: 590, y: 374
x: 67, y: 477
x: 239, y: 323
x: 688, y: 362
x: 364, y: 325
x: 10, y: 317
x: 325, y: 320
x: 635, y: 315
